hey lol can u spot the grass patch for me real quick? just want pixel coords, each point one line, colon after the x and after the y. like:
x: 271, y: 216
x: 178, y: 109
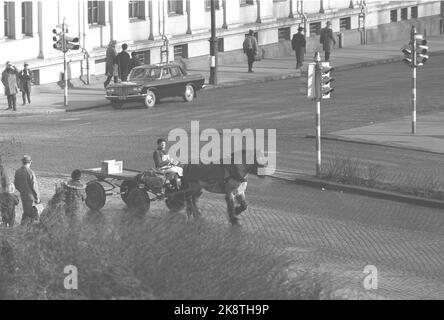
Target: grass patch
x: 349, y: 170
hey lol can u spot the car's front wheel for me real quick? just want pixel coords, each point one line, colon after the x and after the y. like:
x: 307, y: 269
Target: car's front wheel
x: 188, y: 94
x: 150, y: 99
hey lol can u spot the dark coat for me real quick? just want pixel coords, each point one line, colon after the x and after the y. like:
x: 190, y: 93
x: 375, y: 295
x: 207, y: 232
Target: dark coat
x: 298, y: 43
x: 123, y: 60
x: 25, y: 80
x: 4, y: 180
x: 25, y: 182
x: 10, y: 81
x: 8, y: 202
x: 327, y: 39
x: 111, y: 68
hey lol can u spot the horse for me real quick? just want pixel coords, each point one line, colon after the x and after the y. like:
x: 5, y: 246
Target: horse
x: 228, y: 179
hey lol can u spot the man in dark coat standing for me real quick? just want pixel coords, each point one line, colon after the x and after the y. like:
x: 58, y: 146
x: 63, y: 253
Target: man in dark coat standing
x: 250, y: 49
x: 25, y: 77
x: 123, y: 59
x: 298, y: 45
x: 25, y: 182
x: 112, y: 68
x: 327, y: 40
x: 10, y: 81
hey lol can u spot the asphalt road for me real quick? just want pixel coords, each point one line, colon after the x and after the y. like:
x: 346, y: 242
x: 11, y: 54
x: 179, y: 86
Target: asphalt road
x: 336, y: 232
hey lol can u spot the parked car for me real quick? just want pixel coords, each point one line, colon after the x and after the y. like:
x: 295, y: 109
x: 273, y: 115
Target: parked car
x: 150, y: 83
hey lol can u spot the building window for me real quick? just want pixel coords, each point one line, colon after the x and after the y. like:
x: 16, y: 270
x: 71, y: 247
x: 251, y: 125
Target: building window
x: 404, y: 14
x: 393, y: 15
x: 181, y: 51
x: 144, y: 57
x: 345, y: 23
x: 220, y: 45
x: 208, y: 5
x: 175, y: 7
x: 315, y: 28
x: 136, y: 9
x: 246, y: 2
x: 284, y: 33
x: 6, y: 18
x: 93, y: 12
x: 27, y: 17
x: 414, y: 12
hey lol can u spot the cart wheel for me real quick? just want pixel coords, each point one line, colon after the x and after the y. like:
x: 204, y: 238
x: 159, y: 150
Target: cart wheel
x: 95, y: 195
x: 138, y: 201
x: 125, y: 189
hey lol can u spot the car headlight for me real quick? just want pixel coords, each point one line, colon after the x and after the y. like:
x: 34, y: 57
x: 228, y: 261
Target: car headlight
x: 110, y: 90
x: 136, y: 89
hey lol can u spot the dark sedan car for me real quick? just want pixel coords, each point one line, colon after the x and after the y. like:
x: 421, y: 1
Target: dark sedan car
x: 149, y: 83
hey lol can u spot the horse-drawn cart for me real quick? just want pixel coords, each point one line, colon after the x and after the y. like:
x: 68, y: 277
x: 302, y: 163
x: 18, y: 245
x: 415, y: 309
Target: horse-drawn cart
x: 133, y: 187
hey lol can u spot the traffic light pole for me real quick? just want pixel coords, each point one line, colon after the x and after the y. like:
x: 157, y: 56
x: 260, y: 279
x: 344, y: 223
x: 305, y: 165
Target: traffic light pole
x: 65, y: 76
x: 414, y: 62
x: 318, y: 91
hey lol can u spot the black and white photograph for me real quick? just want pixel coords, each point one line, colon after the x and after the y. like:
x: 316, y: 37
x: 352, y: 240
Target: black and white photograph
x: 222, y: 155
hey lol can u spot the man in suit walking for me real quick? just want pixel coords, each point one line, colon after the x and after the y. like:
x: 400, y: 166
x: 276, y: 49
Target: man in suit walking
x: 25, y: 77
x: 298, y: 45
x: 25, y: 182
x: 327, y: 40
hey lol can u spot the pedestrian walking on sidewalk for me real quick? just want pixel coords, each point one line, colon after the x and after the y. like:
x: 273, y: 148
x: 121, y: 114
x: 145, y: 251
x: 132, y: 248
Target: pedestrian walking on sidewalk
x: 298, y: 45
x: 123, y: 59
x: 25, y: 182
x: 327, y: 40
x: 111, y: 68
x: 25, y: 77
x: 250, y: 49
x: 10, y: 81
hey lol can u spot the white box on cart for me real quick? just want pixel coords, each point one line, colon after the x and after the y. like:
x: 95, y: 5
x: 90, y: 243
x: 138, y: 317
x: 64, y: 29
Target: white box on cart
x: 112, y: 166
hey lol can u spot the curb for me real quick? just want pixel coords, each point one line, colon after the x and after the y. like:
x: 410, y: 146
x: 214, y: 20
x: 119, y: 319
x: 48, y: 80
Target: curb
x: 369, y: 192
x: 101, y: 105
x: 31, y: 113
x: 372, y: 143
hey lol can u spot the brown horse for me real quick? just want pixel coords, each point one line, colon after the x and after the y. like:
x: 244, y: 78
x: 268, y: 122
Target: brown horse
x: 228, y: 179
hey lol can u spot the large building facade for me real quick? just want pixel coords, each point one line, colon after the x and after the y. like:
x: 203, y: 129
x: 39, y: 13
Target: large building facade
x: 160, y: 30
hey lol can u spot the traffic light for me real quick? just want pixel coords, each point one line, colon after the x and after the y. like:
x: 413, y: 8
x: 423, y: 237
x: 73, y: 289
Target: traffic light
x: 408, y: 59
x: 72, y: 43
x: 325, y: 80
x: 58, y: 39
x: 421, y: 50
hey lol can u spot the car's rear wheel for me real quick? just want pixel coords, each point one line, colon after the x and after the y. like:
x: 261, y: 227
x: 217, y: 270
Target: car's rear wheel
x: 188, y: 94
x: 116, y: 104
x: 150, y: 99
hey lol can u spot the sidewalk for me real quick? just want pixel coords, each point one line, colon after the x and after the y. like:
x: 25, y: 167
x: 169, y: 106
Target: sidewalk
x: 47, y: 99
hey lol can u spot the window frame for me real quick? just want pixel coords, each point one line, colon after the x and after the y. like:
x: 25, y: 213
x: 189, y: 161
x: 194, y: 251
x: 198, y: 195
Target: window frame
x: 244, y: 3
x: 414, y: 9
x: 136, y: 10
x: 92, y: 16
x: 207, y: 4
x: 344, y: 21
x: 394, y: 15
x: 318, y: 28
x: 176, y: 9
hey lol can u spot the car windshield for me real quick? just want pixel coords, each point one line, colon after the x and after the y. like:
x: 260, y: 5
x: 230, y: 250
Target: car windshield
x: 145, y: 74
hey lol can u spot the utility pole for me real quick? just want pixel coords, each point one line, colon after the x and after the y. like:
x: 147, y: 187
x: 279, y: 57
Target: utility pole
x: 213, y: 45
x: 317, y: 60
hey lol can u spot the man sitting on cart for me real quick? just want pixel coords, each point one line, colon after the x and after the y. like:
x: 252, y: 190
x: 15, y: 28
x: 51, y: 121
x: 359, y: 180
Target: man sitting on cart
x: 164, y: 163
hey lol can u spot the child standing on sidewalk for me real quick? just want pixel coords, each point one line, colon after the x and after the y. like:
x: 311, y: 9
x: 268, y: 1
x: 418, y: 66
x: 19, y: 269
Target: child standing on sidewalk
x: 8, y: 201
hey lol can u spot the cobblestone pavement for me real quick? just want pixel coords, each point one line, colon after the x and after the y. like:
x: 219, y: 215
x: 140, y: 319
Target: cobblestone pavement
x: 334, y: 234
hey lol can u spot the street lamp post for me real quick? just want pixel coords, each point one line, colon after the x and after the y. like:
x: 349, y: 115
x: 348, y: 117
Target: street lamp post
x: 213, y: 45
